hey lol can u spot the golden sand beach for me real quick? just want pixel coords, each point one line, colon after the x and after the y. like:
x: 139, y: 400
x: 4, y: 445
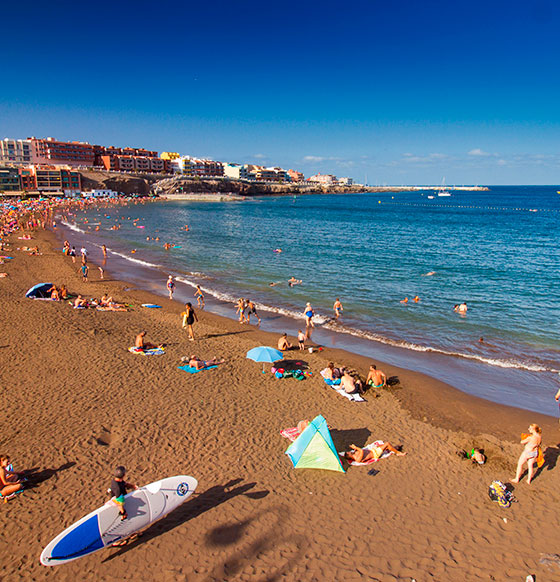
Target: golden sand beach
x: 76, y: 404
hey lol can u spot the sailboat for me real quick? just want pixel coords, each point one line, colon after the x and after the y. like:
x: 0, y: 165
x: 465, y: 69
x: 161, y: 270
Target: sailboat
x: 442, y: 191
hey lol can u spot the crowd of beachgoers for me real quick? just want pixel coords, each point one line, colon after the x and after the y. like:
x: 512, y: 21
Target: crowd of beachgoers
x: 20, y: 220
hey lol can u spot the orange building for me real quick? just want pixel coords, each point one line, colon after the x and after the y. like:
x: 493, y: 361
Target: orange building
x: 52, y: 151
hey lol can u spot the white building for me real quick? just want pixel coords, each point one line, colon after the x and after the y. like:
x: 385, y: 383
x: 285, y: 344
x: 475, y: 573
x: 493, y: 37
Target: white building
x: 237, y: 171
x: 15, y: 151
x: 324, y: 179
x: 345, y: 181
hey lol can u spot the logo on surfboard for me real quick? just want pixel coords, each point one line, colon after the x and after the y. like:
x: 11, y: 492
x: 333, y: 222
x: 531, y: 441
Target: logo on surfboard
x: 182, y: 489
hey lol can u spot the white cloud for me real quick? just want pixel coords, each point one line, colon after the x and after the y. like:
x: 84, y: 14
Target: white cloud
x: 314, y: 159
x: 260, y: 156
x: 479, y: 152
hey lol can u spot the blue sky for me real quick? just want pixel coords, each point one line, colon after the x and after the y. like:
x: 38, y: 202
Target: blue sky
x: 401, y: 92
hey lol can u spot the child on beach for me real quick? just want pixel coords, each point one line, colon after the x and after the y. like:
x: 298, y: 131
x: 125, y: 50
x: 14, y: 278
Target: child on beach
x: 118, y: 490
x: 252, y: 310
x: 199, y: 297
x: 301, y: 339
x: 84, y: 269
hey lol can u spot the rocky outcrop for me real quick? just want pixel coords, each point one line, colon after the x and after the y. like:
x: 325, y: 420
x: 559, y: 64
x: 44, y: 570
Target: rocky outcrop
x: 127, y: 184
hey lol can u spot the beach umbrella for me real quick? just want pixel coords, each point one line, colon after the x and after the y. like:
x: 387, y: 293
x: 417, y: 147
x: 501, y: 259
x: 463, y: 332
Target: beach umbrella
x: 264, y: 354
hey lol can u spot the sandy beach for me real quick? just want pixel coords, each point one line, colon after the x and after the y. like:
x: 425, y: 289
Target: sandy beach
x: 77, y: 403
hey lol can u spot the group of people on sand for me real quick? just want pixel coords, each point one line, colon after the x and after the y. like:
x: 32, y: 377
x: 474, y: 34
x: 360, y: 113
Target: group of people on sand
x: 58, y: 293
x: 106, y: 303
x: 244, y: 309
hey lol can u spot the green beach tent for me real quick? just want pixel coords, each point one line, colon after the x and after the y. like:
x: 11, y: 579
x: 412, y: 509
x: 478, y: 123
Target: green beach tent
x: 314, y: 448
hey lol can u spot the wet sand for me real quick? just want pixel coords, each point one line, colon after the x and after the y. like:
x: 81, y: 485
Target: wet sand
x: 77, y: 403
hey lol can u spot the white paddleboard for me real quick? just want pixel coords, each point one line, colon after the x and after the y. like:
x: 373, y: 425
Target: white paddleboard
x: 104, y: 526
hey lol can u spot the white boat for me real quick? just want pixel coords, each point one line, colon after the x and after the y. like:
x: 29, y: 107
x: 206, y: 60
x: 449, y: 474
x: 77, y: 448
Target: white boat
x: 442, y: 191
x: 431, y: 197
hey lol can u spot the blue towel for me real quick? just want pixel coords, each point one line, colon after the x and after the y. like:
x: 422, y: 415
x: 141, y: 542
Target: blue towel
x: 332, y: 382
x: 194, y: 370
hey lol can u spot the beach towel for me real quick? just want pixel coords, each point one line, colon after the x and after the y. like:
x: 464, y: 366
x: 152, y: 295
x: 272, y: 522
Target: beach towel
x: 194, y: 370
x: 369, y: 448
x: 290, y: 433
x: 151, y: 352
x: 330, y: 382
x: 540, y: 457
x: 151, y: 305
x: 6, y: 498
x: 352, y: 397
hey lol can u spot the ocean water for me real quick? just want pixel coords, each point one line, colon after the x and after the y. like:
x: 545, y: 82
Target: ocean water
x: 496, y: 250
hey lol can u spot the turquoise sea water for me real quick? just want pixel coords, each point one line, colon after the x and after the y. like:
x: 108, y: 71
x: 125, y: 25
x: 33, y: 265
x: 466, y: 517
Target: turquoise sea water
x: 496, y: 250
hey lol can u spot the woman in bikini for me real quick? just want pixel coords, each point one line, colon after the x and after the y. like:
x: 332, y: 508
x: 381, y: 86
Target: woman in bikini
x: 358, y: 455
x: 530, y: 453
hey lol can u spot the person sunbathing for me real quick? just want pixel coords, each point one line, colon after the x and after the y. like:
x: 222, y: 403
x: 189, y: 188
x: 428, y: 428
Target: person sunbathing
x: 9, y: 481
x: 359, y: 455
x: 55, y: 296
x: 141, y: 344
x: 63, y: 292
x: 331, y: 373
x: 199, y: 364
x: 80, y: 302
x: 376, y: 378
x: 105, y: 300
x: 350, y: 385
x: 283, y: 343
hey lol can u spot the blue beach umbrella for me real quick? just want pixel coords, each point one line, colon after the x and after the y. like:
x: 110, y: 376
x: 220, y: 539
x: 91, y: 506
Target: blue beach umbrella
x: 264, y: 354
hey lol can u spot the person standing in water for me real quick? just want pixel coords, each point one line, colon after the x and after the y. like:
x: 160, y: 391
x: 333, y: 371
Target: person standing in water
x: 252, y: 310
x: 337, y: 308
x: 309, y: 325
x: 170, y: 286
x: 199, y: 297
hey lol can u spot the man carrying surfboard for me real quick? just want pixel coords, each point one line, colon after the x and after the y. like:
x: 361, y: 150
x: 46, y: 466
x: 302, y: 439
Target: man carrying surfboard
x: 118, y: 489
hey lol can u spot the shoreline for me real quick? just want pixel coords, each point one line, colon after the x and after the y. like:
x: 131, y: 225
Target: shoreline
x: 421, y: 404
x: 77, y: 403
x: 454, y: 370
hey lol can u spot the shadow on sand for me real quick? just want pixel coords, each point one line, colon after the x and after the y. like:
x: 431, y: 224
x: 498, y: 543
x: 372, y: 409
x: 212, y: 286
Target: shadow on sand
x: 197, y: 505
x: 35, y: 477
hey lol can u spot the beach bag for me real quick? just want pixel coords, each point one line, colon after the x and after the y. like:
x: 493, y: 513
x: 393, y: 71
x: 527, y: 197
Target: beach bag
x: 498, y: 493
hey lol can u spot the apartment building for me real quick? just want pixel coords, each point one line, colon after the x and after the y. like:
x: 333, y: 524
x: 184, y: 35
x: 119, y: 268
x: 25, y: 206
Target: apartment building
x: 52, y: 151
x: 9, y: 179
x: 262, y: 174
x: 124, y: 163
x: 199, y: 167
x: 296, y: 176
x: 15, y: 151
x: 236, y: 171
